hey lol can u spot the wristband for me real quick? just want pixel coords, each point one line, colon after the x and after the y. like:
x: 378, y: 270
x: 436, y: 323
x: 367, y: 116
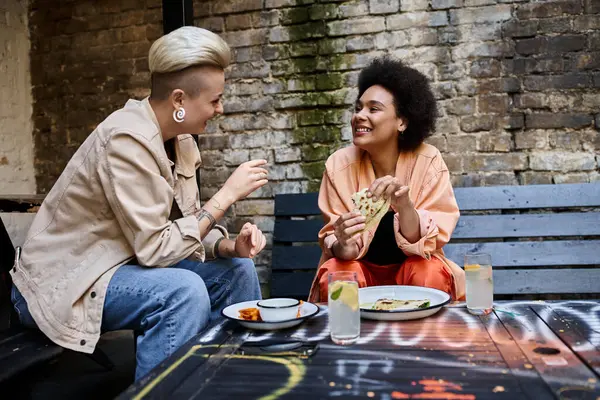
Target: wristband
x: 216, y: 248
x: 213, y: 221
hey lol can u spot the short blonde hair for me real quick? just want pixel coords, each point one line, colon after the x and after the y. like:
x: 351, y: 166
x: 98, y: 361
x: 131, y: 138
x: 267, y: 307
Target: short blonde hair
x: 185, y: 47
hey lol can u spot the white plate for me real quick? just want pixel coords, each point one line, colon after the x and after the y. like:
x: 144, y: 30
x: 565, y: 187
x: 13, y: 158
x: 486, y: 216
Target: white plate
x: 232, y: 312
x: 369, y: 295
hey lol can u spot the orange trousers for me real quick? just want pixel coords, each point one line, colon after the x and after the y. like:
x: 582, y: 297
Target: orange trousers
x: 415, y: 271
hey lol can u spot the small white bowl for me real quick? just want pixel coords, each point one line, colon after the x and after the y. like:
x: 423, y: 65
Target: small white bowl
x: 278, y: 309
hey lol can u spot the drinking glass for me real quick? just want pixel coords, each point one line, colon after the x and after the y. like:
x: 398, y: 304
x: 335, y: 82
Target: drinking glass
x: 344, y: 313
x: 480, y: 283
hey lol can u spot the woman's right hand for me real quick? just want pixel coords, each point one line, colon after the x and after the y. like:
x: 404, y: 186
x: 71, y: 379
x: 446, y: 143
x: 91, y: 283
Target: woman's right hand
x: 347, y: 228
x: 248, y: 177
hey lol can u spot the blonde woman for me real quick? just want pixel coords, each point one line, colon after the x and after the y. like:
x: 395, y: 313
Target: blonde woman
x: 122, y: 241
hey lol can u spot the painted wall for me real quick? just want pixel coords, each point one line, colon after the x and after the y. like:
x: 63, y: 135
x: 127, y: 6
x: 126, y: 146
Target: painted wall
x: 16, y: 140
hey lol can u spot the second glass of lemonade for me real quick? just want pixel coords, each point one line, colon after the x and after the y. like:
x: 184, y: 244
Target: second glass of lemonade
x: 480, y: 283
x: 344, y: 313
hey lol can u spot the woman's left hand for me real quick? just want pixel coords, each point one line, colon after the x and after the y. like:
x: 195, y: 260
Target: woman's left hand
x: 250, y: 241
x: 389, y: 187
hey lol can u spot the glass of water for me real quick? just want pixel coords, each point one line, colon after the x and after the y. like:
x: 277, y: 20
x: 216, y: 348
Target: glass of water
x: 480, y: 283
x: 344, y: 313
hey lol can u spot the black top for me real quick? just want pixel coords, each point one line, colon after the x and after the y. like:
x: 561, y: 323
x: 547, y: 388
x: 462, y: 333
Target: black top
x: 384, y: 249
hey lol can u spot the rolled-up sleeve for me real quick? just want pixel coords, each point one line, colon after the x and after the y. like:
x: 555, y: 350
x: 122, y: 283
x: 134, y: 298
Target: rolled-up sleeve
x: 332, y: 207
x: 438, y: 214
x: 141, y: 199
x: 210, y: 241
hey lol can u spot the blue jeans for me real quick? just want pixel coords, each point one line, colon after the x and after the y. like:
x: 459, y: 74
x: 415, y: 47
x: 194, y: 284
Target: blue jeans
x: 166, y: 307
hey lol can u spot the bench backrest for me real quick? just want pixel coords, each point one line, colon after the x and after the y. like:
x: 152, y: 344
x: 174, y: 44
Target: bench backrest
x: 7, y: 255
x: 16, y: 215
x: 544, y: 239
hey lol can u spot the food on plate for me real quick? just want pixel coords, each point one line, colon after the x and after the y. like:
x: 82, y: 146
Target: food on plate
x: 253, y: 314
x: 372, y: 210
x: 391, y: 304
x: 250, y: 314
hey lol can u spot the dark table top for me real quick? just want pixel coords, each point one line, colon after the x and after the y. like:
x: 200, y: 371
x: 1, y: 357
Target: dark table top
x: 523, y: 350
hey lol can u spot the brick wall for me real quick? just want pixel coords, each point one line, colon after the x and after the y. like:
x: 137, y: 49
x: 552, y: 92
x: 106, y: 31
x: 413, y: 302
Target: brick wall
x: 87, y: 58
x: 16, y: 143
x: 517, y: 82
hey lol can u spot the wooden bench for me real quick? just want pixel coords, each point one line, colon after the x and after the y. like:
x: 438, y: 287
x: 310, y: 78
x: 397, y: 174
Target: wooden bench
x: 22, y: 348
x: 544, y: 239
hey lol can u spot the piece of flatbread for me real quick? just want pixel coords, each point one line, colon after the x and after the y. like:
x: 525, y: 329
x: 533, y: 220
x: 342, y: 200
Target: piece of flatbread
x: 373, y: 211
x: 391, y: 304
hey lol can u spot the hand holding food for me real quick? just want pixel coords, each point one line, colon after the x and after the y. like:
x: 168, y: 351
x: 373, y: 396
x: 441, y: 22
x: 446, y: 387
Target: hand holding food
x: 371, y: 208
x: 347, y: 228
x: 390, y: 189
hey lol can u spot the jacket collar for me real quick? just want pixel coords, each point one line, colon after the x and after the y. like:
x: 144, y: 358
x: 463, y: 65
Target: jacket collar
x: 367, y: 172
x: 187, y: 156
x: 148, y: 108
x: 186, y: 159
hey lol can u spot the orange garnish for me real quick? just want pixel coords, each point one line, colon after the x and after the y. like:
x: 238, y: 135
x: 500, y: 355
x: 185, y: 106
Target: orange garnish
x: 299, y: 308
x: 472, y: 267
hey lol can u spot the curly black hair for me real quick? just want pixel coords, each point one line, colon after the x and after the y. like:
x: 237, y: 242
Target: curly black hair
x: 413, y: 97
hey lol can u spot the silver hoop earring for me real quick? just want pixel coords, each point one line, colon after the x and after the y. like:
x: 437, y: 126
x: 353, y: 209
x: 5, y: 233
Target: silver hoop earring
x: 179, y: 115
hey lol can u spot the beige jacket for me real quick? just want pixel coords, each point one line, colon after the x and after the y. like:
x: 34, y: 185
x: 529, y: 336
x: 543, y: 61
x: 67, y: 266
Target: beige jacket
x: 349, y: 170
x: 111, y: 204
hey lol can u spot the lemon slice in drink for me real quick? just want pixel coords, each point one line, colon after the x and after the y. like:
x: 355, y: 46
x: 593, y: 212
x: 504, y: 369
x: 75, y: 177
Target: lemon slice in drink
x: 472, y: 267
x: 346, y: 292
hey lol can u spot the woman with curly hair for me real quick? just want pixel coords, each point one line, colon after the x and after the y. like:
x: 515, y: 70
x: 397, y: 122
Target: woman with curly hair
x: 394, y: 113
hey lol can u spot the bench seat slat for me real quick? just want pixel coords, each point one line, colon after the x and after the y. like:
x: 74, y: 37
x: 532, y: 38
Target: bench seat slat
x: 296, y: 204
x: 528, y: 196
x: 23, y: 350
x: 527, y: 225
x: 533, y: 281
x: 297, y: 230
x: 474, y: 227
x: 504, y: 254
x: 477, y: 198
x: 292, y: 284
x: 296, y: 257
x: 297, y: 284
x: 531, y: 254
